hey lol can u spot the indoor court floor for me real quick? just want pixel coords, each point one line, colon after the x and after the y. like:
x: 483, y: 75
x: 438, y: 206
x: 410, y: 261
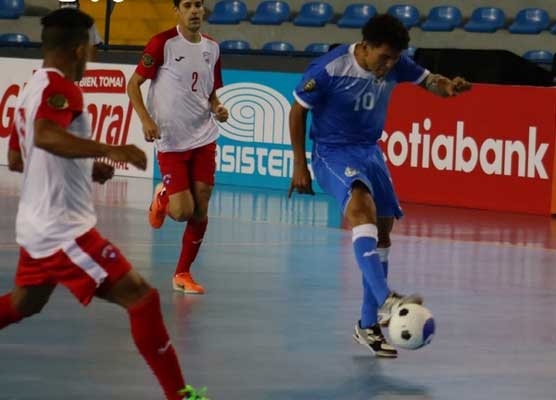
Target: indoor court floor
x: 283, y: 294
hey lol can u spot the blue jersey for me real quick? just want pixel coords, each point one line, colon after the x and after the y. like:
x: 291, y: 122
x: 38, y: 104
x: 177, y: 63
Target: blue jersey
x: 349, y: 103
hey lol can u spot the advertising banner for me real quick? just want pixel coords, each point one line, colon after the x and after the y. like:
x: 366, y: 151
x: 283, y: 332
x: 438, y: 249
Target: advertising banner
x: 490, y: 148
x: 112, y: 118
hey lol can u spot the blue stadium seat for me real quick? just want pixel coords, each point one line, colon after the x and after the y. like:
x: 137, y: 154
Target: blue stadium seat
x: 356, y: 15
x: 314, y: 14
x: 11, y: 9
x: 234, y: 45
x: 271, y: 13
x: 317, y: 48
x: 539, y: 56
x: 486, y: 19
x: 13, y: 37
x: 530, y: 21
x: 228, y: 12
x: 278, y: 46
x: 442, y: 19
x: 409, y: 15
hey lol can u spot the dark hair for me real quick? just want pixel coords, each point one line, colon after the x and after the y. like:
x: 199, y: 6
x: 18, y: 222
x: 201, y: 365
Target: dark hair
x: 386, y: 29
x: 177, y: 3
x: 65, y: 28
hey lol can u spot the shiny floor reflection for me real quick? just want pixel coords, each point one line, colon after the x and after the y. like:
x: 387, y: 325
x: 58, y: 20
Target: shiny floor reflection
x: 282, y: 295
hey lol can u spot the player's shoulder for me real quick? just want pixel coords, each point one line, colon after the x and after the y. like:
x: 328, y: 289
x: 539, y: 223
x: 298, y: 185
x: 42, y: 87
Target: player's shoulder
x: 209, y: 38
x: 328, y: 61
x: 162, y: 37
x: 61, y: 93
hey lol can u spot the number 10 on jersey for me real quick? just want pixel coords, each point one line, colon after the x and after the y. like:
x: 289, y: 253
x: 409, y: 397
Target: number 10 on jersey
x: 365, y: 102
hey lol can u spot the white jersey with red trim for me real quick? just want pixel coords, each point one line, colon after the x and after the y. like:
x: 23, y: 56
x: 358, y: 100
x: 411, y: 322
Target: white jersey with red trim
x: 56, y: 204
x: 184, y: 75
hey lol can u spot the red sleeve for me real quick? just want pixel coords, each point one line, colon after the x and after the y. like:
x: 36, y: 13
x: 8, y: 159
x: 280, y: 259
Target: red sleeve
x: 14, y: 140
x: 61, y: 101
x: 153, y: 54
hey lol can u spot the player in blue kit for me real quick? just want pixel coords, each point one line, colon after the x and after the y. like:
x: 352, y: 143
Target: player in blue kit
x: 347, y: 91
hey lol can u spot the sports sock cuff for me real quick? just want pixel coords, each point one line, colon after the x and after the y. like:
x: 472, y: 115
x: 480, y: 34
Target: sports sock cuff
x: 383, y: 253
x: 365, y: 230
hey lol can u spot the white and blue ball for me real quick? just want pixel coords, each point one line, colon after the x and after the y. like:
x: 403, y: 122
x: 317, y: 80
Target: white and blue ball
x: 411, y: 326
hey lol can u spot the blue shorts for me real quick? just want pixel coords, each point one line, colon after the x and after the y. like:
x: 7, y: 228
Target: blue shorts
x: 337, y: 167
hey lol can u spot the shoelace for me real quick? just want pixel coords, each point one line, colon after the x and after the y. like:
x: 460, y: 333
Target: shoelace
x: 193, y: 394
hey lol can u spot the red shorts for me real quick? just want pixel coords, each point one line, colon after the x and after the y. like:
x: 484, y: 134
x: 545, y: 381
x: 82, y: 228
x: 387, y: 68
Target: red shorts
x: 84, y: 266
x: 180, y: 168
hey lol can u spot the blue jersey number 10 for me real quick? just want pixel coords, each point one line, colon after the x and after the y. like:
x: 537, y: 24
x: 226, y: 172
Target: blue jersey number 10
x: 365, y: 102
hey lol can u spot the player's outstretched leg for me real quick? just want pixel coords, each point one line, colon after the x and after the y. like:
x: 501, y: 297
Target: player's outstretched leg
x: 23, y: 302
x: 148, y: 330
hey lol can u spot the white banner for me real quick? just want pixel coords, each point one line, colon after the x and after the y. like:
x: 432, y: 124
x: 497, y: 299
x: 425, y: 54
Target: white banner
x: 112, y: 118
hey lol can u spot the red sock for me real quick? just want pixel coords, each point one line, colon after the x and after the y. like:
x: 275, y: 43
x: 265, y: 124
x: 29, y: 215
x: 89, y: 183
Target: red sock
x: 8, y: 314
x: 191, y: 241
x: 151, y: 338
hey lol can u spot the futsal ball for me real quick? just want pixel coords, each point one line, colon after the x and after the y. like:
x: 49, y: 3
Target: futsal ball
x: 411, y: 326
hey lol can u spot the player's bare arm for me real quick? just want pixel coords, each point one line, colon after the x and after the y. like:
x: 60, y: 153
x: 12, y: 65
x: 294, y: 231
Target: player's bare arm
x: 219, y: 111
x: 102, y: 172
x: 445, y: 87
x: 150, y: 129
x: 51, y: 137
x: 15, y: 161
x: 301, y: 180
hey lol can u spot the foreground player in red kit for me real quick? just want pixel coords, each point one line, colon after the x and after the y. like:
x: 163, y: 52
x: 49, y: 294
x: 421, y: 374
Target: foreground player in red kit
x: 182, y: 105
x: 55, y: 223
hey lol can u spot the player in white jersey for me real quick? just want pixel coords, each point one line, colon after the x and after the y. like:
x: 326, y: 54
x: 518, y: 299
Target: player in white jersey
x: 55, y: 223
x: 184, y: 68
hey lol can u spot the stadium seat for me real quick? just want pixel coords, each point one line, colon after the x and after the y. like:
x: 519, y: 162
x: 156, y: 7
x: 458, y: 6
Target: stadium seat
x: 271, y: 13
x: 539, y: 56
x: 486, y: 19
x: 317, y: 48
x: 234, y: 45
x: 11, y: 9
x: 442, y: 19
x: 356, y: 15
x: 530, y: 21
x: 228, y: 12
x: 13, y: 37
x: 553, y: 29
x: 409, y: 15
x: 278, y: 46
x: 314, y: 14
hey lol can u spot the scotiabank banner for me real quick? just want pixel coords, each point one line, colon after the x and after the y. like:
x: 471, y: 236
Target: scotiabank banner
x: 490, y: 148
x: 104, y: 85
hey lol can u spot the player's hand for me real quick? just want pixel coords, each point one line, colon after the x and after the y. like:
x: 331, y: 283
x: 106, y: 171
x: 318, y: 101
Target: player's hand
x: 301, y: 181
x: 221, y: 113
x: 128, y: 153
x: 461, y: 85
x: 452, y: 87
x: 150, y: 130
x: 102, y: 172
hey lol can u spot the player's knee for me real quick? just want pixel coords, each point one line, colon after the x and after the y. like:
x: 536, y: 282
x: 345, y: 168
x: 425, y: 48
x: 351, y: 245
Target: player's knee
x: 181, y: 214
x: 359, y: 213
